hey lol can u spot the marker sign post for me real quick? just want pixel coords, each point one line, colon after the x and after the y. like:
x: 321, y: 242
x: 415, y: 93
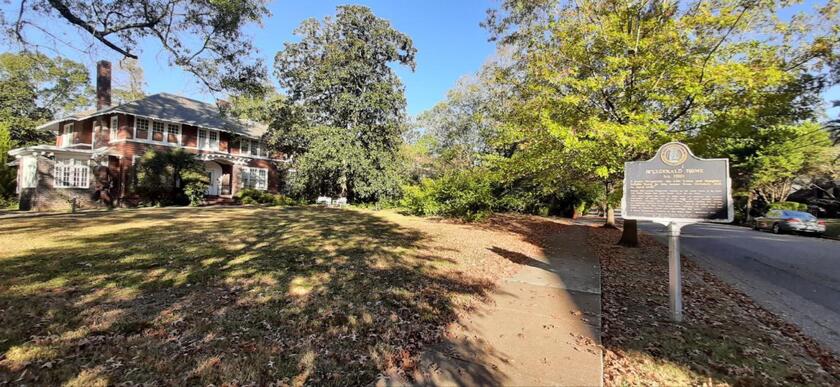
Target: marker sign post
x: 676, y: 188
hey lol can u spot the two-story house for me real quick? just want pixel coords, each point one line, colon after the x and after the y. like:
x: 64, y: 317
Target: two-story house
x: 95, y: 151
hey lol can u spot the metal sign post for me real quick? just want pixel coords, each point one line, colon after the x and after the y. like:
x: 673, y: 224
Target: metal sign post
x: 674, y: 273
x: 676, y: 188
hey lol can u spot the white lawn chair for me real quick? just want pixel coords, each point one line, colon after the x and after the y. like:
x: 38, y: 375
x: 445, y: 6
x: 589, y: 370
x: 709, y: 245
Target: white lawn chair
x: 325, y: 200
x: 340, y: 202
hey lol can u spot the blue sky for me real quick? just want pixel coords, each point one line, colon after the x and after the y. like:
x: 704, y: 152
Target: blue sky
x: 447, y: 35
x: 449, y: 41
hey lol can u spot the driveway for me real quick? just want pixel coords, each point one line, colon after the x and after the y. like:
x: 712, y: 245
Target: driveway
x: 797, y: 277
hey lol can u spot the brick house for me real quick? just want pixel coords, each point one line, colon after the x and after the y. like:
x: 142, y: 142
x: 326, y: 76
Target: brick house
x: 95, y: 151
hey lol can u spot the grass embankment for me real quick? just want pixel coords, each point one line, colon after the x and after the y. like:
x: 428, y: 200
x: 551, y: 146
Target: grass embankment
x: 233, y: 295
x: 725, y: 338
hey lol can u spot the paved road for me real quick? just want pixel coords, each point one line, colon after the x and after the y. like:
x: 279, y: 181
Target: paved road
x: 797, y: 277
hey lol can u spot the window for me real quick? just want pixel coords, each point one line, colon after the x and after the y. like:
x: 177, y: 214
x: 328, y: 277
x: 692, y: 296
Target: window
x: 141, y: 128
x: 255, y: 148
x: 71, y: 173
x: 251, y: 147
x: 67, y: 135
x: 202, y: 139
x: 244, y: 146
x: 208, y: 139
x: 29, y: 172
x: 214, y: 140
x: 256, y: 178
x: 157, y: 131
x: 173, y: 133
x: 114, y: 128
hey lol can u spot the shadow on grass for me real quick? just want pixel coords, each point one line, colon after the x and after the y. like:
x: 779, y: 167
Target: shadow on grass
x: 297, y: 295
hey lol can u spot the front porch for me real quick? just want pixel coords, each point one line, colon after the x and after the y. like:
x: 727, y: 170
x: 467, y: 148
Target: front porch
x: 220, y: 173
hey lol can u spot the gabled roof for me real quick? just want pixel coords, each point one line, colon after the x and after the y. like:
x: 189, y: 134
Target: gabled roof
x: 175, y: 108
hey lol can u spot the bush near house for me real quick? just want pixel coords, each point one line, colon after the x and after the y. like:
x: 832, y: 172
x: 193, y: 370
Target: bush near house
x: 170, y: 178
x: 253, y: 196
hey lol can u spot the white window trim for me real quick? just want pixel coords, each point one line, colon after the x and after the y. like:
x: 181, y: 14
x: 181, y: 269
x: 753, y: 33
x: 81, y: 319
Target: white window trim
x: 29, y: 172
x: 150, y: 131
x: 152, y: 124
x: 166, y: 126
x: 76, y: 169
x: 67, y: 136
x: 250, y: 171
x: 148, y: 127
x: 113, y: 128
x: 209, y: 145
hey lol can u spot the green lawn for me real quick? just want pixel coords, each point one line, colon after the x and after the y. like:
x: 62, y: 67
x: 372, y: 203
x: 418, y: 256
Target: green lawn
x: 233, y: 295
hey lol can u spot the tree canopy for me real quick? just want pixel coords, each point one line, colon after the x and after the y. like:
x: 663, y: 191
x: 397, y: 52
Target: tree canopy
x: 344, y: 112
x: 35, y: 88
x: 203, y: 37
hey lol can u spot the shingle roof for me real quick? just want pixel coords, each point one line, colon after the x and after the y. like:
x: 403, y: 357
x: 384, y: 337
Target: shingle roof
x: 180, y: 109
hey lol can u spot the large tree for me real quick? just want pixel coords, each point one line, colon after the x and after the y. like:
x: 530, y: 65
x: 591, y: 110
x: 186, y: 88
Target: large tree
x: 345, y: 110
x: 203, y: 37
x: 601, y: 82
x: 129, y: 81
x: 34, y: 89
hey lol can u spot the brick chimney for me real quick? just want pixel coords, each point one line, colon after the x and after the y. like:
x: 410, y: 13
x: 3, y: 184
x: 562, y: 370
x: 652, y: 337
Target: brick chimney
x: 103, y: 84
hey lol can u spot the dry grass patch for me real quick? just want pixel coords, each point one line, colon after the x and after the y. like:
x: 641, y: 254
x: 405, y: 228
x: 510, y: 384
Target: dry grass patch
x: 301, y: 295
x: 726, y: 339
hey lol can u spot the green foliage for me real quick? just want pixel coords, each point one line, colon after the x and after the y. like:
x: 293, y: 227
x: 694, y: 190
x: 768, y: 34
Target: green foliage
x: 194, y: 190
x: 253, y: 196
x: 8, y: 175
x: 173, y: 177
x: 788, y: 206
x: 590, y: 86
x: 345, y: 111
x: 34, y: 89
x: 8, y: 203
x: 205, y: 38
x: 463, y: 194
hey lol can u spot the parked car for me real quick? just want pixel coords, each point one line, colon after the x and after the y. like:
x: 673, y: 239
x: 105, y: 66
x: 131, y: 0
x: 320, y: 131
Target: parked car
x: 780, y: 221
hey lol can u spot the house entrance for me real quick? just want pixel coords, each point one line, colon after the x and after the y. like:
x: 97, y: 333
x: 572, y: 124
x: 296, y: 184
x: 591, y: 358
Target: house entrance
x: 214, y: 173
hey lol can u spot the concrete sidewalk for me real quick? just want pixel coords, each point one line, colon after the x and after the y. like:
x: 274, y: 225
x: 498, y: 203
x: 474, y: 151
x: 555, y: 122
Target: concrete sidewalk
x: 541, y: 328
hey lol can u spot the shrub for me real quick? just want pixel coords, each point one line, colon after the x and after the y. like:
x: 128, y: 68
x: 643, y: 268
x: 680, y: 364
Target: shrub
x: 8, y: 203
x: 194, y: 192
x: 793, y: 206
x: 464, y: 194
x: 253, y: 196
x: 163, y: 178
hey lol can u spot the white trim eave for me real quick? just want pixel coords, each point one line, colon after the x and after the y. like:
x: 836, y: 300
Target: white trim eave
x: 115, y: 110
x: 156, y: 118
x: 52, y: 149
x: 205, y: 150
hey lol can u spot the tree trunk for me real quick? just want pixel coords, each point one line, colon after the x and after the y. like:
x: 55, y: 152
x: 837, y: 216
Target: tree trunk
x: 610, y: 217
x: 610, y: 212
x: 747, y: 215
x: 630, y: 235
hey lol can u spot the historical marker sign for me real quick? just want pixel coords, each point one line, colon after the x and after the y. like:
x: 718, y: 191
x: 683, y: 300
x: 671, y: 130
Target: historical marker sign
x: 676, y: 186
